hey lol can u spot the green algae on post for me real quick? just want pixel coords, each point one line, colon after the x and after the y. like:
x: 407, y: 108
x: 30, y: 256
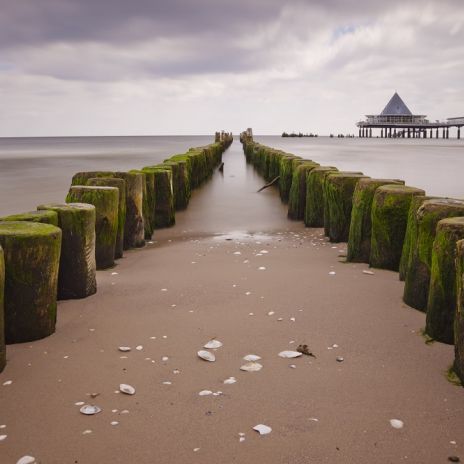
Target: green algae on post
x: 359, y: 240
x: 459, y: 316
x: 390, y: 208
x: 410, y: 237
x: 286, y: 174
x: 417, y: 282
x: 120, y: 184
x: 81, y: 178
x: 77, y: 270
x: 441, y: 304
x: 2, y: 313
x: 45, y: 217
x: 134, y: 227
x: 338, y: 197
x: 297, y: 195
x: 105, y: 200
x: 32, y: 256
x: 314, y: 208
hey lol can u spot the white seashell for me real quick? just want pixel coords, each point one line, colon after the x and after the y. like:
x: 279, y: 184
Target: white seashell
x: 237, y: 253
x: 280, y: 319
x: 8, y: 382
x: 251, y: 367
x: 86, y: 432
x: 230, y: 380
x: 332, y: 273
x: 127, y: 389
x: 114, y: 423
x: 124, y: 411
x: 2, y: 437
x: 164, y: 358
x: 27, y: 460
x: 340, y: 359
x: 167, y: 383
x: 262, y: 429
x: 213, y: 344
x: 293, y: 366
x: 292, y: 319
x: 368, y: 272
x: 290, y: 354
x: 139, y: 347
x: 252, y: 357
x: 264, y: 252
x: 241, y: 439
x: 396, y: 423
x: 124, y: 349
x: 90, y: 410
x: 261, y: 268
x: 205, y: 393
x: 206, y: 355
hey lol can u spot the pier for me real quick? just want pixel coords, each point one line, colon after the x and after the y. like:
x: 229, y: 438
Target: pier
x: 397, y: 121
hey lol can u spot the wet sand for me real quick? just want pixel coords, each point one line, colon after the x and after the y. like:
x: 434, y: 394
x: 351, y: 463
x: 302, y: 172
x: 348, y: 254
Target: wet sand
x: 190, y: 286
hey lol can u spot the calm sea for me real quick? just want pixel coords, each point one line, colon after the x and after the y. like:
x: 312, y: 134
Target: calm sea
x: 38, y: 170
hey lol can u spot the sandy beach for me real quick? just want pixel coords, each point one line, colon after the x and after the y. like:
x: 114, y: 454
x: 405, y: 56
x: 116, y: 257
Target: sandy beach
x: 260, y: 290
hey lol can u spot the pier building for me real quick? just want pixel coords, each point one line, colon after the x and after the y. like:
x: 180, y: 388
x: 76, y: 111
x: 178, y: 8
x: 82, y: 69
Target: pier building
x: 397, y: 120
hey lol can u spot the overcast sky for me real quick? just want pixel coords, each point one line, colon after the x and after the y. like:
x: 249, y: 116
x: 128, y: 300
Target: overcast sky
x: 142, y: 67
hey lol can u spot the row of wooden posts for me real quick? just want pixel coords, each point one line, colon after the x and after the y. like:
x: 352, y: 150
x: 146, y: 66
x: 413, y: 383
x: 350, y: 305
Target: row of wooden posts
x: 53, y: 253
x: 388, y: 225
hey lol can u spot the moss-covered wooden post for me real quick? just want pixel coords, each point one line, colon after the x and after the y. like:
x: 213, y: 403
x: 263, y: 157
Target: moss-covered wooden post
x: 297, y: 196
x: 459, y: 315
x: 2, y: 313
x: 81, y: 178
x: 134, y: 227
x: 441, y: 304
x: 410, y: 237
x: 359, y: 240
x: 286, y: 174
x: 389, y: 215
x: 338, y: 193
x: 77, y: 273
x: 32, y: 256
x: 417, y: 282
x: 148, y: 202
x: 164, y: 207
x: 120, y: 184
x: 314, y: 209
x: 106, y: 201
x: 182, y: 183
x: 45, y: 217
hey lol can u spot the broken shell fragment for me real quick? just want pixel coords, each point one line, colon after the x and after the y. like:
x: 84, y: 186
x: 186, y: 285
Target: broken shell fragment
x: 127, y: 389
x: 27, y: 460
x: 124, y: 349
x: 262, y: 429
x: 290, y: 354
x: 396, y: 423
x: 230, y: 380
x: 206, y: 355
x: 252, y: 357
x: 90, y: 410
x: 212, y: 344
x: 251, y: 367
x: 205, y: 393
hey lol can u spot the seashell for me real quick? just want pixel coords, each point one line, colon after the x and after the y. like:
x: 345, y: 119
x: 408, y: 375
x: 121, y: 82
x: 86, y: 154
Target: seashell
x: 396, y: 423
x: 252, y: 357
x: 205, y: 393
x: 27, y: 460
x: 124, y: 349
x: 290, y: 354
x: 212, y: 344
x: 8, y: 382
x: 3, y: 437
x: 368, y: 272
x: 251, y: 367
x: 90, y: 410
x: 332, y: 273
x: 139, y: 347
x: 340, y: 359
x: 230, y: 380
x: 262, y: 429
x: 261, y: 268
x: 127, y: 389
x: 206, y: 355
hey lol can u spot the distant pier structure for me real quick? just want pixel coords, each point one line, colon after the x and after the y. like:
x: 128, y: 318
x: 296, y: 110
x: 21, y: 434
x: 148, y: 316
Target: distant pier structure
x: 396, y: 120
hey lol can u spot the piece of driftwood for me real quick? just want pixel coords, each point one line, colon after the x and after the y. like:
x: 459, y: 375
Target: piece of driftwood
x: 273, y: 181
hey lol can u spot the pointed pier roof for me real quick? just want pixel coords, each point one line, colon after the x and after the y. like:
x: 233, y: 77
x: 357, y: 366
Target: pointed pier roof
x: 396, y: 107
